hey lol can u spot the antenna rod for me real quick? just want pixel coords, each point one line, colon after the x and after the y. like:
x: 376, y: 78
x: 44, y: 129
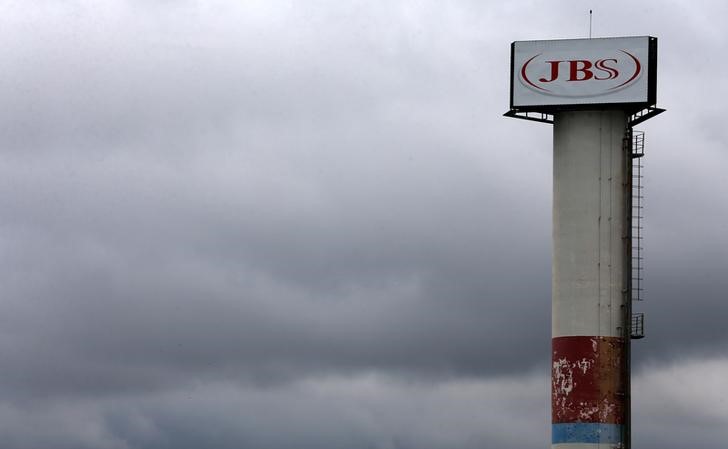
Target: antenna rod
x: 590, y: 24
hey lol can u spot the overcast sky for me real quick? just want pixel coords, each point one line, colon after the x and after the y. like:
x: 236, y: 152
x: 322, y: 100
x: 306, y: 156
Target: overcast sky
x: 305, y: 224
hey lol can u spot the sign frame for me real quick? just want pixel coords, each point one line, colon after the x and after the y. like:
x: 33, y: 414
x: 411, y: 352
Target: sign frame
x: 562, y: 104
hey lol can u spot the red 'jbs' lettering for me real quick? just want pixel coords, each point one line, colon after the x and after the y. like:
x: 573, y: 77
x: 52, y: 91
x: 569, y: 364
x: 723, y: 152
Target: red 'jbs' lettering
x: 575, y: 70
x: 583, y: 70
x: 554, y: 71
x: 611, y: 72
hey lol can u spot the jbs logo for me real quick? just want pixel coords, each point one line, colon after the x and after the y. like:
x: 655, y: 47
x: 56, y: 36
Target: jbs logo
x: 583, y: 70
x: 580, y: 77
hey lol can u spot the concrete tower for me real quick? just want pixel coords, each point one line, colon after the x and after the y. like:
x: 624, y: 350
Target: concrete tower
x: 590, y: 280
x: 592, y: 91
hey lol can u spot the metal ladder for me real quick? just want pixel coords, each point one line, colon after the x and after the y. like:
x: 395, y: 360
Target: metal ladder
x: 638, y: 151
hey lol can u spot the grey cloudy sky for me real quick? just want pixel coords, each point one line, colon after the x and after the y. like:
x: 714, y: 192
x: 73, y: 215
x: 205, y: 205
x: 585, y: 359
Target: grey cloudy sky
x: 275, y: 224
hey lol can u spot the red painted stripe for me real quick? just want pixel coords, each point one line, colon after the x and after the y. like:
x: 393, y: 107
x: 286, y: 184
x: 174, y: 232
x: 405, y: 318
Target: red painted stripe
x: 588, y: 380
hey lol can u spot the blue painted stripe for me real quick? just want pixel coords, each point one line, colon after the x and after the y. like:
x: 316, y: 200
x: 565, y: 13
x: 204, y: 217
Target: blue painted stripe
x: 582, y: 432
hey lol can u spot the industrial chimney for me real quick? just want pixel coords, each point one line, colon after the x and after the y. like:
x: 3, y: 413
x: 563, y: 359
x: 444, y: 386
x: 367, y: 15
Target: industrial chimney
x: 593, y: 91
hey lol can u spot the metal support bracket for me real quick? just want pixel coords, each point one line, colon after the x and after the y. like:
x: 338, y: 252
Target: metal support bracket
x: 542, y: 117
x: 644, y: 114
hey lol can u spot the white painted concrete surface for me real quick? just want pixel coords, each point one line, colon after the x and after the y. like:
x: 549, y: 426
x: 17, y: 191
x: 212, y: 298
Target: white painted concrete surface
x: 589, y: 224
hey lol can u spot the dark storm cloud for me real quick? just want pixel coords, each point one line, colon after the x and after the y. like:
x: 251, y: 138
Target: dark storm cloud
x: 288, y: 238
x: 246, y: 210
x: 154, y: 280
x: 328, y: 413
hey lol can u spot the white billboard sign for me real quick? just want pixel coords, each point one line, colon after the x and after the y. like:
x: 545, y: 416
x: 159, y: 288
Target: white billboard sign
x: 576, y: 72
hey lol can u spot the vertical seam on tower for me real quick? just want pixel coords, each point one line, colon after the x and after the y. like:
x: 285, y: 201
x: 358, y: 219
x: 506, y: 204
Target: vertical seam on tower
x: 611, y: 217
x: 599, y: 231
